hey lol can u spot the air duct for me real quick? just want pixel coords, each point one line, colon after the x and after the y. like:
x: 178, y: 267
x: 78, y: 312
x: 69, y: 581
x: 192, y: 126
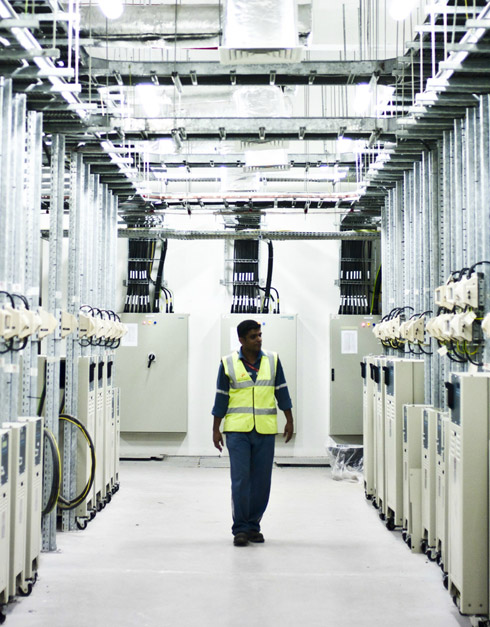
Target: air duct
x: 260, y: 31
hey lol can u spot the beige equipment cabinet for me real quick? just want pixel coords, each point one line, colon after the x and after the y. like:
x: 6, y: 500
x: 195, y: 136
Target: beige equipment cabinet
x: 412, y: 472
x: 351, y: 339
x: 442, y: 439
x: 404, y: 383
x: 18, y: 504
x: 151, y: 370
x: 5, y: 480
x: 87, y: 394
x: 468, y: 503
x: 34, y: 493
x: 368, y: 428
x: 379, y: 434
x: 429, y: 445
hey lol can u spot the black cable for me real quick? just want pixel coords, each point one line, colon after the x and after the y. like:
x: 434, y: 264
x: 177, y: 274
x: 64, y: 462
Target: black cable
x: 159, y: 277
x: 10, y: 297
x: 19, y: 348
x: 56, y: 467
x: 479, y: 263
x: 278, y: 309
x: 73, y: 503
x: 270, y: 267
x: 23, y: 299
x: 9, y: 348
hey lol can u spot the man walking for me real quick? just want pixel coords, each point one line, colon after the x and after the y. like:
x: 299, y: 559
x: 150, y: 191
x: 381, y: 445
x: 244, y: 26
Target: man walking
x: 249, y: 383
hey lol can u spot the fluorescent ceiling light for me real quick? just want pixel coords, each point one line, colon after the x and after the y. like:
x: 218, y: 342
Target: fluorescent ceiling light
x: 149, y: 95
x: 363, y: 98
x: 266, y: 158
x: 112, y: 9
x: 346, y: 145
x: 399, y: 10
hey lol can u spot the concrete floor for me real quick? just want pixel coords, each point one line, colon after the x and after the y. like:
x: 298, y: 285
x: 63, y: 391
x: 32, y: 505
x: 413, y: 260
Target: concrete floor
x: 161, y: 555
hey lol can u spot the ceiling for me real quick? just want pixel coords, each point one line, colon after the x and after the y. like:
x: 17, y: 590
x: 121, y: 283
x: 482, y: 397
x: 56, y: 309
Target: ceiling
x: 238, y: 108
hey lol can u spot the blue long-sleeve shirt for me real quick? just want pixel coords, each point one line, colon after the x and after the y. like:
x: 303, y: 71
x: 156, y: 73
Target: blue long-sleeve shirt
x: 223, y: 386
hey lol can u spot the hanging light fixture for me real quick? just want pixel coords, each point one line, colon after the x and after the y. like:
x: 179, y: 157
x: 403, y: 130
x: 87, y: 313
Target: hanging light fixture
x: 400, y: 9
x: 112, y: 9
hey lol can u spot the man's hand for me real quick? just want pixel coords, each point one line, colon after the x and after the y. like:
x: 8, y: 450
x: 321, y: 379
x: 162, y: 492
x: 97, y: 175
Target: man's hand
x: 218, y: 439
x: 217, y: 436
x: 288, y: 429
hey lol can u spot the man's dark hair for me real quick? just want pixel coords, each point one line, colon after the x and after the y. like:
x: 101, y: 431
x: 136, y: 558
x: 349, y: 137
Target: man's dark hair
x: 247, y: 325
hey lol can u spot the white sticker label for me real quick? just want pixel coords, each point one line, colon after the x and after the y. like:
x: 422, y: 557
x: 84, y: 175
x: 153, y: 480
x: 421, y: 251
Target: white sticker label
x: 442, y: 351
x: 348, y: 341
x: 131, y: 337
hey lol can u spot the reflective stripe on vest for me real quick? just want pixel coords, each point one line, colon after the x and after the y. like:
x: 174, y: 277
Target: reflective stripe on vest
x: 251, y: 404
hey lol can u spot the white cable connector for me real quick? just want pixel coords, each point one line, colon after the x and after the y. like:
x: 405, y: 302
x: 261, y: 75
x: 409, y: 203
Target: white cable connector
x: 14, y: 322
x: 69, y: 324
x: 101, y: 327
x: 30, y: 322
x: 86, y: 326
x: 440, y: 297
x: 48, y: 323
x: 5, y: 323
x: 461, y: 326
x: 485, y: 325
x: 439, y: 327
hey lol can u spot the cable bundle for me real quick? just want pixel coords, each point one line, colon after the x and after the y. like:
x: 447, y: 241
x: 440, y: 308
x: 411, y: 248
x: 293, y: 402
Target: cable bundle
x: 359, y: 294
x: 246, y: 288
x: 159, y: 287
x: 246, y: 277
x: 140, y: 265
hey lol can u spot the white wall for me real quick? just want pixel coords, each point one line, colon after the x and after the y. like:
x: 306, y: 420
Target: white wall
x: 304, y: 274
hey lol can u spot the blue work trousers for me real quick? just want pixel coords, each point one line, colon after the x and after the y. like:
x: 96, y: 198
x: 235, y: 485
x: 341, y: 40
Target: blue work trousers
x: 251, y: 459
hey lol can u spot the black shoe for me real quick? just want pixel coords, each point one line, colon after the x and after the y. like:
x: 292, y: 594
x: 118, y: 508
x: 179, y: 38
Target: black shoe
x: 240, y: 539
x: 255, y: 536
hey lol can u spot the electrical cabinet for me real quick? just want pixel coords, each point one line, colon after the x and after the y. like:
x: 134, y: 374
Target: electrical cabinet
x: 278, y: 335
x: 5, y: 480
x: 34, y: 461
x: 442, y: 438
x: 87, y: 382
x: 404, y: 384
x: 368, y: 428
x: 151, y: 371
x: 412, y: 472
x: 377, y: 374
x: 429, y: 431
x: 117, y: 433
x: 351, y: 339
x: 18, y: 504
x: 468, y: 402
x: 110, y: 425
x: 100, y: 431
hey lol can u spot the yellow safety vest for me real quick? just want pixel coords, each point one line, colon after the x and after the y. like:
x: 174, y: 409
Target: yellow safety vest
x: 251, y: 404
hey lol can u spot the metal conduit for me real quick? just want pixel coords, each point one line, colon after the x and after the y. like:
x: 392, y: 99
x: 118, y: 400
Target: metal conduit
x: 248, y: 234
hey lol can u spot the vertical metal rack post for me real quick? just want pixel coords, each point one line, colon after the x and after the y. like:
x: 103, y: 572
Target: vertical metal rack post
x: 32, y: 251
x: 73, y: 350
x: 54, y: 304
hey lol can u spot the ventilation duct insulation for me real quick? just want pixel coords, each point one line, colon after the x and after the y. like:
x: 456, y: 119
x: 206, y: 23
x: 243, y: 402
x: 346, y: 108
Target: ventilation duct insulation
x: 236, y: 181
x: 266, y: 160
x: 260, y: 31
x: 146, y: 29
x: 137, y: 213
